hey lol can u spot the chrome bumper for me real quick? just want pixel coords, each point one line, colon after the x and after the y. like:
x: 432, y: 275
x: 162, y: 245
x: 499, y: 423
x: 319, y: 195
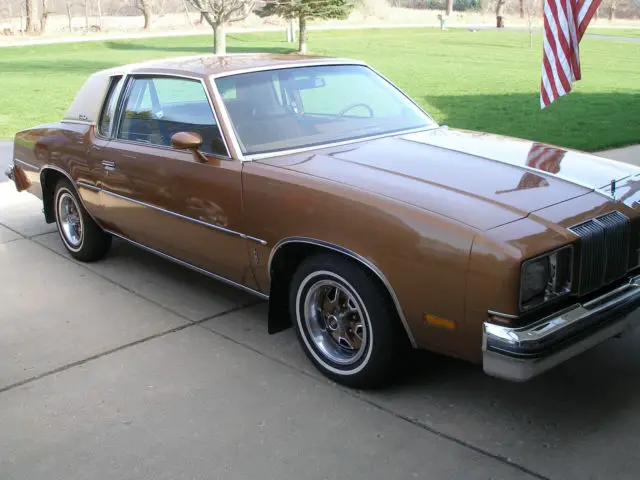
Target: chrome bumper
x: 519, y: 354
x: 9, y: 172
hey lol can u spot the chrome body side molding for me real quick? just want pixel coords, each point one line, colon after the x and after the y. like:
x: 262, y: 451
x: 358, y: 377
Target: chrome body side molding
x: 26, y: 164
x: 88, y: 186
x: 184, y: 217
x: 360, y: 259
x: 192, y: 267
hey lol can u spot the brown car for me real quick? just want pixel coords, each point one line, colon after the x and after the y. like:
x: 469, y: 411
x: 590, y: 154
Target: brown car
x: 317, y: 184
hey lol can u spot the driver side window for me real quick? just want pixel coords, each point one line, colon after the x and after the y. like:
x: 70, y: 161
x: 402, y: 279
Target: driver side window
x: 156, y: 108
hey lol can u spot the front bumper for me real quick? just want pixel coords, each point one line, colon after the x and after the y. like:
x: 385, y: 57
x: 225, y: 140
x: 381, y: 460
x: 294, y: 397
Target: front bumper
x: 519, y: 354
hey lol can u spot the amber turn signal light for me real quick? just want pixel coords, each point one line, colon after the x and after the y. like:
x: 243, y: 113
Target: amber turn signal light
x: 439, y: 322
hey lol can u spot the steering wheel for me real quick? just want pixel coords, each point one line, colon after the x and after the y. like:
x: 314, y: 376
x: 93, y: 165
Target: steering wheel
x: 354, y: 105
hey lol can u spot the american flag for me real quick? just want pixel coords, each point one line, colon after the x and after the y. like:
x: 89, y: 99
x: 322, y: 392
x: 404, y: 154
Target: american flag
x: 565, y: 22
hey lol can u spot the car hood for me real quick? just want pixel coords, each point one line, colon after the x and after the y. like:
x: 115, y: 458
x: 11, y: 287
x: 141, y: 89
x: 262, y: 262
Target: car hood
x: 479, y: 179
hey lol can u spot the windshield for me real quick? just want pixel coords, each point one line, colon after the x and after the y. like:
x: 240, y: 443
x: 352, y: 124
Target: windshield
x: 307, y: 106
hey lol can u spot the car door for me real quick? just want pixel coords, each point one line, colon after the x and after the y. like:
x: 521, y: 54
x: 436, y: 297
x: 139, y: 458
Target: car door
x: 183, y: 204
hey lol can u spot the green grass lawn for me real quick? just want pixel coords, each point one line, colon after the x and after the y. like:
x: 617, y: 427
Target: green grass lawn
x: 616, y: 32
x: 476, y: 80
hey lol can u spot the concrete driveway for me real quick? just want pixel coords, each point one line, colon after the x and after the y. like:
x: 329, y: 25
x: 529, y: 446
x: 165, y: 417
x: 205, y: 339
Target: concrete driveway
x: 134, y: 367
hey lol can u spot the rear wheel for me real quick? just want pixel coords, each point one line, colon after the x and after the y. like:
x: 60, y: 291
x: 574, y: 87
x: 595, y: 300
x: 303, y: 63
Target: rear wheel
x: 345, y: 322
x: 81, y: 235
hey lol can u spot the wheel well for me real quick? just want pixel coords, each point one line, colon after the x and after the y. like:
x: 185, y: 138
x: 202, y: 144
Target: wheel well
x: 48, y: 181
x: 282, y: 268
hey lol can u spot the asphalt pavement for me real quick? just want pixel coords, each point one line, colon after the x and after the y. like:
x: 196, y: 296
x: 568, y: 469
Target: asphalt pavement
x: 135, y: 368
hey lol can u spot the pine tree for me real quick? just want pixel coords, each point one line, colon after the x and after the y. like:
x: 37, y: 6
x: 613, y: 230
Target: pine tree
x: 305, y: 10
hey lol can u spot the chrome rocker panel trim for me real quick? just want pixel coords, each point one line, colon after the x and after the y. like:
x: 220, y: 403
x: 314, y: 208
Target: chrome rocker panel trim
x: 519, y: 354
x: 192, y: 267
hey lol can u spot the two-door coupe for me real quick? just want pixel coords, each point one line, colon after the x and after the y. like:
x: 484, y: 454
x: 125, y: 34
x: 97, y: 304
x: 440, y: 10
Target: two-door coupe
x: 317, y: 184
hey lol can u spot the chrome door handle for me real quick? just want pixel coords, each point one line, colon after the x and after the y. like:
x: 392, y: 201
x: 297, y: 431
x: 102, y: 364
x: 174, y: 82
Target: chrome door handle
x: 109, y: 165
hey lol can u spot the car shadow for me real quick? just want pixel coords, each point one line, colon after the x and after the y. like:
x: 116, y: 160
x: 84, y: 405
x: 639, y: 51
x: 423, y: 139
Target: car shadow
x: 572, y: 409
x: 579, y: 401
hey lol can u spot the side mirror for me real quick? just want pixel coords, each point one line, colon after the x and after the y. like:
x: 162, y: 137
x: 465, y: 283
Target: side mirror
x: 188, y: 141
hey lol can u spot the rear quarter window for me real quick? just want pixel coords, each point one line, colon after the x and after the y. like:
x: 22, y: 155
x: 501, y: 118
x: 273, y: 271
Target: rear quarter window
x: 109, y: 106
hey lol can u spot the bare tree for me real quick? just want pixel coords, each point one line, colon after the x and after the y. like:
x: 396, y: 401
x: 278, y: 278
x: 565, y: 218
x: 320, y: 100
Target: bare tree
x: 449, y: 7
x: 523, y: 8
x: 21, y: 18
x: 86, y: 15
x: 44, y: 15
x: 31, y: 16
x: 219, y: 13
x: 99, y: 8
x: 612, y: 9
x: 499, y: 9
x: 531, y: 7
x: 69, y: 6
x: 186, y: 12
x: 145, y: 7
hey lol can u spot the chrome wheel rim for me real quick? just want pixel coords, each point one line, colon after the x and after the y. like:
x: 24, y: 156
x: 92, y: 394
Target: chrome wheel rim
x: 335, y: 322
x: 70, y: 220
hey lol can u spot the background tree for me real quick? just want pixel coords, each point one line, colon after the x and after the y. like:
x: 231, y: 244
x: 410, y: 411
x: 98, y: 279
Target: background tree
x: 305, y: 10
x: 449, y: 7
x: 145, y: 7
x: 220, y: 13
x: 612, y: 9
x: 31, y: 16
x: 499, y: 10
x: 44, y: 14
x: 532, y: 7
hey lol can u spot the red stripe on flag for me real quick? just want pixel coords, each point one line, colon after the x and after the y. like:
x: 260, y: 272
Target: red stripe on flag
x: 562, y: 75
x: 566, y: 75
x: 552, y: 81
x: 578, y: 14
x: 591, y: 10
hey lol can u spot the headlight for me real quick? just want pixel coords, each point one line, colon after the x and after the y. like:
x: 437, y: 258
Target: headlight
x: 546, y: 277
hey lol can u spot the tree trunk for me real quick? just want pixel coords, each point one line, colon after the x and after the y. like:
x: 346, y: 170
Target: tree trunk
x: 521, y: 8
x: 69, y: 16
x: 86, y: 15
x: 302, y: 35
x: 292, y: 27
x: 219, y: 40
x: 31, y: 16
x: 186, y: 12
x: 612, y: 10
x: 499, y: 17
x: 43, y: 16
x: 449, y: 7
x: 22, y: 27
x: 145, y: 6
x: 99, y: 7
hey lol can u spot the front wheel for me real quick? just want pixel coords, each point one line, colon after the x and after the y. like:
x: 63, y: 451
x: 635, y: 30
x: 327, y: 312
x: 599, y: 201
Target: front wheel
x: 345, y: 322
x: 81, y: 235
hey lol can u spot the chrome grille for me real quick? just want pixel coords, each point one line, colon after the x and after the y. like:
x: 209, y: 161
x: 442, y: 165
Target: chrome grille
x: 604, y: 247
